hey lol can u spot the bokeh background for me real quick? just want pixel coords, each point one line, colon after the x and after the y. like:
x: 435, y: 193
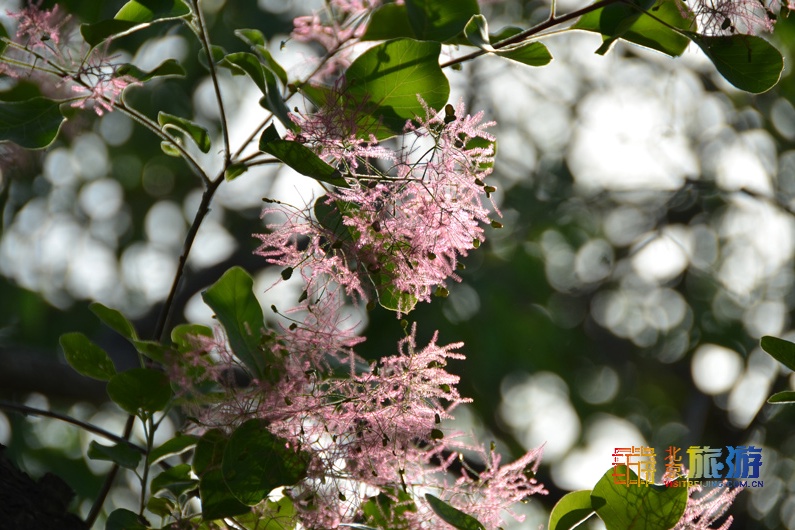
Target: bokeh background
x: 648, y: 244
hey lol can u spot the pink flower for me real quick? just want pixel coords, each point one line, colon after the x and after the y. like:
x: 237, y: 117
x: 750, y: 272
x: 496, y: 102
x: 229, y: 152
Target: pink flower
x: 703, y: 511
x: 402, y: 227
x: 40, y: 27
x: 720, y: 17
x: 98, y: 83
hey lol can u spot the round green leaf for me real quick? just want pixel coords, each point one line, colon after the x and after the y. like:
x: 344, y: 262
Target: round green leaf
x: 622, y: 506
x: 383, y: 84
x: 86, y: 357
x: 140, y: 389
x: 571, y: 510
x: 452, y: 515
x: 440, y: 20
x: 122, y: 519
x: 255, y: 462
x: 32, y: 123
x: 748, y: 62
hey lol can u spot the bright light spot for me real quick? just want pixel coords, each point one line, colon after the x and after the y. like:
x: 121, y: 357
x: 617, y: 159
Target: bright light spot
x: 715, y: 369
x: 538, y: 410
x: 213, y: 245
x: 625, y: 140
x: 115, y: 128
x: 165, y: 225
x: 5, y: 429
x: 91, y: 156
x: 598, y: 385
x: 462, y: 304
x: 154, y: 51
x: 101, y: 198
x: 766, y: 318
x: 582, y: 468
x: 594, y: 261
x: 59, y: 167
x: 663, y: 258
x: 739, y: 166
x: 149, y: 270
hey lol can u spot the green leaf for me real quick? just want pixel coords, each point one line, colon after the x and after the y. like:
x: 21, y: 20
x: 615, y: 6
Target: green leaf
x: 169, y: 122
x: 248, y: 63
x: 97, y: 32
x: 218, y: 53
x: 32, y: 123
x: 392, y: 299
x: 390, y: 21
x: 786, y: 396
x: 439, y: 20
x: 235, y: 170
x: 86, y: 357
x: 114, y: 320
x: 299, y: 157
x: 529, y: 53
x: 153, y: 350
x: 175, y: 446
x: 122, y: 454
x: 748, y: 62
x: 782, y: 350
x: 571, y: 510
x: 255, y: 39
x: 168, y: 68
x: 122, y: 519
x: 652, y: 507
x: 628, y: 22
x: 239, y: 312
x: 384, y: 83
x: 452, y: 515
x: 183, y: 335
x: 176, y: 480
x: 141, y: 11
x: 382, y: 511
x: 255, y: 462
x: 140, y: 389
x: 217, y: 500
x: 160, y: 506
x: 133, y: 16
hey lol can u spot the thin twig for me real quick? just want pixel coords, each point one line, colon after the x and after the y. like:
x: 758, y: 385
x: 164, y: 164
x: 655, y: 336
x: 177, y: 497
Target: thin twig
x: 190, y: 237
x: 204, y: 38
x: 24, y: 409
x: 103, y: 493
x: 535, y: 30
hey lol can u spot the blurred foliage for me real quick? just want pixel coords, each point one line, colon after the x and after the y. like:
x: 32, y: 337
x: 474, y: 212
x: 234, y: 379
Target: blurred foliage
x: 559, y: 290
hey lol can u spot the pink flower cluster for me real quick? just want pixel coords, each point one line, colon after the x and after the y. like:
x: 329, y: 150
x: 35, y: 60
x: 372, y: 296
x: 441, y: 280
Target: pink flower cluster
x: 720, y: 17
x: 41, y: 48
x: 403, y: 227
x: 704, y: 510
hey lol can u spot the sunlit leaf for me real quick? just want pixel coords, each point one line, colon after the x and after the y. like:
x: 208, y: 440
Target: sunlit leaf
x: 239, y: 312
x: 184, y: 335
x: 748, y: 62
x: 121, y: 454
x: 529, y: 53
x: 194, y: 131
x: 439, y: 20
x: 452, y: 515
x: 140, y: 389
x: 571, y: 510
x: 389, y: 21
x: 383, y: 85
x: 115, y: 320
x: 32, y: 123
x: 786, y: 396
x: 86, y: 357
x: 625, y: 21
x: 299, y: 157
x: 141, y: 11
x: 782, y: 350
x: 651, y: 507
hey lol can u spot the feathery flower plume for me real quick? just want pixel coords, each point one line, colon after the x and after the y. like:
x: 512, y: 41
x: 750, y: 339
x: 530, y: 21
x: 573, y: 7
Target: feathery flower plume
x: 722, y: 17
x: 703, y: 511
